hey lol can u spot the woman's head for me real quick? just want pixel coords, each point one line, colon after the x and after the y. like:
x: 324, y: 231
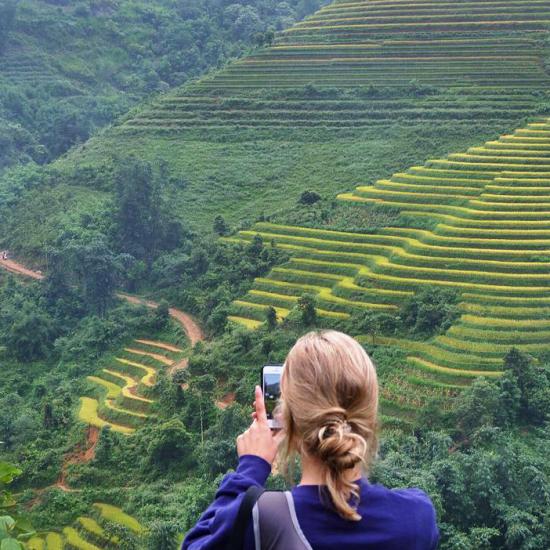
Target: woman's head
x: 329, y: 409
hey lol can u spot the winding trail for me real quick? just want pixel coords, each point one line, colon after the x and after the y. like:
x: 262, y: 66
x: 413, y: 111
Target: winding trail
x: 83, y: 455
x: 15, y: 267
x: 78, y: 456
x: 191, y: 327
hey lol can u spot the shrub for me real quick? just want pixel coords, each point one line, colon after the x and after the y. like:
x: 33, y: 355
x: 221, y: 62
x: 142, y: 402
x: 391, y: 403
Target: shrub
x: 309, y: 197
x: 430, y: 311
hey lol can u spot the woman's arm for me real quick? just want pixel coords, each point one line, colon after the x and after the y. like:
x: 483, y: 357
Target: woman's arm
x: 215, y: 526
x: 257, y: 448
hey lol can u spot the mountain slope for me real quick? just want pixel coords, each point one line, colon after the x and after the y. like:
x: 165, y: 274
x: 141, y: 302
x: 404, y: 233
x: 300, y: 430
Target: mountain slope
x: 479, y: 48
x: 490, y: 210
x: 69, y: 68
x: 335, y: 101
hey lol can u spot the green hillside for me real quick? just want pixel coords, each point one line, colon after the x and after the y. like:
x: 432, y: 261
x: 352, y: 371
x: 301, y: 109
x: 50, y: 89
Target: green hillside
x: 476, y: 48
x: 70, y: 68
x: 124, y: 389
x: 486, y: 215
x: 259, y: 201
x: 354, y: 92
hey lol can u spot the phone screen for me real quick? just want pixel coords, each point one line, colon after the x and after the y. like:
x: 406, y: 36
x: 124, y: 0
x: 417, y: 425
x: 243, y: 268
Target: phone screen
x: 271, y: 387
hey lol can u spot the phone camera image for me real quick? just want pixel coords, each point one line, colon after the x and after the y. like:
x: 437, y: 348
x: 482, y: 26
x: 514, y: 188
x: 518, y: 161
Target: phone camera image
x: 272, y: 391
x: 271, y: 387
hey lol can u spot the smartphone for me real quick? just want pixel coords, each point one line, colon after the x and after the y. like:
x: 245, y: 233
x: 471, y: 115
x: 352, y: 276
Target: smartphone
x: 271, y: 388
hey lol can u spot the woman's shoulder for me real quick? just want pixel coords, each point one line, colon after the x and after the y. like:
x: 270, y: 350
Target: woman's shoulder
x: 409, y: 507
x: 410, y: 497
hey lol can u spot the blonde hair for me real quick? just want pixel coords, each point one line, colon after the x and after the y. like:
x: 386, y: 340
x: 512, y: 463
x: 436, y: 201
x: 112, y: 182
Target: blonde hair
x: 329, y: 409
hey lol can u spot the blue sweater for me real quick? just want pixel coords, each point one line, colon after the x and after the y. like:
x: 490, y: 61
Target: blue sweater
x: 401, y: 519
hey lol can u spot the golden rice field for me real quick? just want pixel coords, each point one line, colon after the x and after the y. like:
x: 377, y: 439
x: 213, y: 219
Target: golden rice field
x: 491, y: 243
x: 88, y: 532
x: 485, y: 58
x: 122, y: 393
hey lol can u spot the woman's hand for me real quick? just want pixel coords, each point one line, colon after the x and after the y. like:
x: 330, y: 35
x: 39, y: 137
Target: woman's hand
x: 259, y: 439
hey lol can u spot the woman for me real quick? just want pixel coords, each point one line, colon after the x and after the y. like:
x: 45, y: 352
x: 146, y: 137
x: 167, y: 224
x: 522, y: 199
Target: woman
x: 328, y: 409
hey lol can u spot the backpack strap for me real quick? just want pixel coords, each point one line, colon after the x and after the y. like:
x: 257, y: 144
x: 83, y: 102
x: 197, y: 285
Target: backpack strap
x: 276, y: 526
x: 252, y: 494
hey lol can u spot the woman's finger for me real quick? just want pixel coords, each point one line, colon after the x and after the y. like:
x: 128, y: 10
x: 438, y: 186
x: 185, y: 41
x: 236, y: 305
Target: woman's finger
x: 261, y: 415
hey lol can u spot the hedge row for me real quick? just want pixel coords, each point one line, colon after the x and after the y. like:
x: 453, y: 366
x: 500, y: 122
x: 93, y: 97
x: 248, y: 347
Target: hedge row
x: 403, y: 253
x: 509, y: 337
x: 144, y: 372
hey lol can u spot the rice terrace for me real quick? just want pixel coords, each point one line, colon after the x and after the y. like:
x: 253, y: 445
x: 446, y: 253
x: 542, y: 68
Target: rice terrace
x: 187, y: 188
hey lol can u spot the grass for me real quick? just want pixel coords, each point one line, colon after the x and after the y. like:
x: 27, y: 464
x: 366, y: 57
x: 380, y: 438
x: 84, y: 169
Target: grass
x: 84, y: 528
x: 91, y: 525
x: 121, y: 403
x: 114, y: 514
x: 88, y: 413
x: 74, y: 540
x: 54, y: 541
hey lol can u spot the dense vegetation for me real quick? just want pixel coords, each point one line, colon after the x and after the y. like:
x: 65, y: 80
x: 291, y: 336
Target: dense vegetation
x: 70, y: 68
x: 260, y: 199
x: 484, y: 463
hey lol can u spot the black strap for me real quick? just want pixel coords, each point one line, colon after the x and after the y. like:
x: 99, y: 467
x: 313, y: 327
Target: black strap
x: 252, y: 494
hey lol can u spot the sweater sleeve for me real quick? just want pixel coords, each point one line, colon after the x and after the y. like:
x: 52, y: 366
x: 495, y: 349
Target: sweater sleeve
x: 214, y: 527
x: 426, y: 522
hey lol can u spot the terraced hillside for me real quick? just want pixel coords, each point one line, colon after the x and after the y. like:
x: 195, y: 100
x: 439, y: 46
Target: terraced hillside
x: 470, y: 50
x: 124, y: 389
x: 491, y: 242
x: 88, y: 532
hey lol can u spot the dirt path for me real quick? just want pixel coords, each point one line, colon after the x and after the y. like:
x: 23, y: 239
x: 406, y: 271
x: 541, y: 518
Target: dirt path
x: 226, y: 400
x: 14, y: 267
x: 191, y: 327
x: 78, y: 456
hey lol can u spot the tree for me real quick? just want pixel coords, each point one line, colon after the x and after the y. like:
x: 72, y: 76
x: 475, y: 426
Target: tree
x: 533, y: 382
x: 12, y: 528
x: 105, y: 446
x: 429, y: 311
x: 374, y: 323
x: 271, y: 317
x: 309, y: 197
x: 264, y: 38
x: 96, y: 270
x: 306, y: 306
x: 245, y: 20
x: 142, y: 224
x: 478, y: 406
x: 171, y: 444
x: 220, y: 226
x: 510, y: 399
x: 161, y: 315
x: 30, y: 335
x: 163, y: 535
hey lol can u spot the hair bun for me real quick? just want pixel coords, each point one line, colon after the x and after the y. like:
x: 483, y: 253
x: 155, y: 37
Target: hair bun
x: 338, y: 446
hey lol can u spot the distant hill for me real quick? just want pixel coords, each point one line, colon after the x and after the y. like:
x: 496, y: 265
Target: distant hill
x: 354, y: 92
x: 69, y: 68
